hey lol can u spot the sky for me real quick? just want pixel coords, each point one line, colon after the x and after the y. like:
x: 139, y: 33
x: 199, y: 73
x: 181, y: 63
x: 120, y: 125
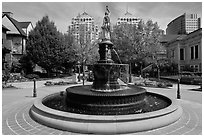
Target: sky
x: 61, y: 13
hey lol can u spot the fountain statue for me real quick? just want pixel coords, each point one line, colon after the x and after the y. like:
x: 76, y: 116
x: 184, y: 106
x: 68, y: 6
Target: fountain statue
x: 106, y: 25
x: 106, y: 72
x: 105, y: 107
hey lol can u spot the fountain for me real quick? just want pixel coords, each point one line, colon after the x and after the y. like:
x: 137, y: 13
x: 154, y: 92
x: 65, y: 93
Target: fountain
x: 105, y: 107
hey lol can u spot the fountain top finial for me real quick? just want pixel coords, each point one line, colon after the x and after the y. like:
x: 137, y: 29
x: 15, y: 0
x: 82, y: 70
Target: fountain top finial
x: 106, y: 25
x: 107, y: 11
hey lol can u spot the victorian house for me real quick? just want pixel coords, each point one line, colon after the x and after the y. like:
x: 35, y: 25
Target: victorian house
x: 14, y: 36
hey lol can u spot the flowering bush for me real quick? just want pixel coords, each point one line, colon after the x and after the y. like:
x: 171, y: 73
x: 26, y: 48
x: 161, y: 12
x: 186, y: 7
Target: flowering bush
x: 14, y: 77
x: 152, y: 83
x: 50, y: 83
x: 32, y: 76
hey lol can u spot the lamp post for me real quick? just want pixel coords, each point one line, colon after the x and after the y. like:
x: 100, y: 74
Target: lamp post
x: 83, y: 78
x: 34, y: 88
x: 178, y: 87
x: 178, y: 90
x: 141, y: 68
x: 78, y: 65
x: 130, y: 74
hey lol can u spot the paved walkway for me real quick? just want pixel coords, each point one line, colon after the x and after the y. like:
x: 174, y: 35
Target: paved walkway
x: 17, y: 102
x: 29, y: 84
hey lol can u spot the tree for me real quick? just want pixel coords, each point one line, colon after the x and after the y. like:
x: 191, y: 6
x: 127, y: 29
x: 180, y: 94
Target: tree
x: 85, y: 47
x: 69, y: 53
x: 49, y: 48
x: 136, y: 43
x: 26, y: 64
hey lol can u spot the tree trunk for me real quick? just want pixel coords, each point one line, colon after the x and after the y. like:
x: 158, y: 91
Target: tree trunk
x: 48, y: 73
x: 158, y: 73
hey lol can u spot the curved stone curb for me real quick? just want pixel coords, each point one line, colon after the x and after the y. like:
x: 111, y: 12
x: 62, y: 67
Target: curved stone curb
x: 190, y: 123
x: 105, y: 124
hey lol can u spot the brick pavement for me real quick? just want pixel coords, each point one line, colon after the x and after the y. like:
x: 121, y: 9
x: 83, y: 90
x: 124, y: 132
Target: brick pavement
x: 16, y: 118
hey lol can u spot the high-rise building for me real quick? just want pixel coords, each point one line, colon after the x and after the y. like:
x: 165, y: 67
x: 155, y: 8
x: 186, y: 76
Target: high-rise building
x: 128, y: 18
x: 83, y: 28
x: 184, y: 24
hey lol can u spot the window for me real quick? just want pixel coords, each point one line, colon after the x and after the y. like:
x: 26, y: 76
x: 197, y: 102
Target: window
x: 192, y: 52
x: 192, y: 67
x: 196, y: 52
x: 196, y: 68
x: 172, y: 53
x: 181, y: 54
x: 181, y: 67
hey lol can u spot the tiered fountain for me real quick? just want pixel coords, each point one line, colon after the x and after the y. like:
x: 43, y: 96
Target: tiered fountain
x: 105, y: 107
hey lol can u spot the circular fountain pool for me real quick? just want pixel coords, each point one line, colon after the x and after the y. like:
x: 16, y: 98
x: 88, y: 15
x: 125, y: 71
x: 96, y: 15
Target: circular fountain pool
x: 151, y: 111
x: 129, y: 100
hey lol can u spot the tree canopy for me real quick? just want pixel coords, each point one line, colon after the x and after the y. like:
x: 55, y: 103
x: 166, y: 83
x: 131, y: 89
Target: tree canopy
x: 136, y: 42
x: 49, y: 48
x: 85, y: 47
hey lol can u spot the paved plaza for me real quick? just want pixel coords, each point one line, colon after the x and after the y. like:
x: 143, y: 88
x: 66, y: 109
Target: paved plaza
x: 16, y: 104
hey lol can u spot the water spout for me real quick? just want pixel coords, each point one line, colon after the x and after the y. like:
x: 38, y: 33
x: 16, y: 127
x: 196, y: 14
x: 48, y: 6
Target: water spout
x: 117, y: 55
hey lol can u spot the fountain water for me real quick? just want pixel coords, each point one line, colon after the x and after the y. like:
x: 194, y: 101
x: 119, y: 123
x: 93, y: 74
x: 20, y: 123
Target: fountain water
x: 106, y: 107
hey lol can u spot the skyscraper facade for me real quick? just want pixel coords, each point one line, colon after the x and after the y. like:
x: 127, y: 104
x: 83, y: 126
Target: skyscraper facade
x: 184, y: 24
x: 128, y: 18
x: 83, y: 28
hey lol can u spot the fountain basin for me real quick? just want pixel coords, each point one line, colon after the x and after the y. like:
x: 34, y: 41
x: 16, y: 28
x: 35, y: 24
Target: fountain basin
x: 105, y: 124
x: 80, y: 99
x: 105, y: 76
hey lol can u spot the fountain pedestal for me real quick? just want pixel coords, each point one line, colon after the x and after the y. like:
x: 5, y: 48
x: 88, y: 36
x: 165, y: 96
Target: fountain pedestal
x: 106, y: 72
x: 105, y: 77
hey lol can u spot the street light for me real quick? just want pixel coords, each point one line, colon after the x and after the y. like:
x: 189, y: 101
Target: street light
x: 34, y: 88
x: 178, y: 88
x: 78, y: 65
x: 83, y: 78
x: 130, y: 74
x: 141, y: 68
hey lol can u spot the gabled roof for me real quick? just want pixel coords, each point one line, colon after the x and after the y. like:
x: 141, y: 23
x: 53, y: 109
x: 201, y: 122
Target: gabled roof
x: 128, y: 14
x: 24, y: 24
x: 5, y: 28
x: 85, y: 15
x: 16, y: 24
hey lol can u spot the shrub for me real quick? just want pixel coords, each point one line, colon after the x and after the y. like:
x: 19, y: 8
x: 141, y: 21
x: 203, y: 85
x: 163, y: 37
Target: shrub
x: 49, y: 83
x: 161, y: 85
x: 32, y: 76
x: 5, y: 76
x: 16, y: 77
x: 7, y: 86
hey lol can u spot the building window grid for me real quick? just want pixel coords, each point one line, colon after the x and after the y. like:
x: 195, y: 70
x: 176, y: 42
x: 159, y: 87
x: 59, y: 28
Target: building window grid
x: 195, y: 68
x: 194, y: 52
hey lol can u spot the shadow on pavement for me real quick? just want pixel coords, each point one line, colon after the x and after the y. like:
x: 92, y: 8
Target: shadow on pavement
x: 29, y: 96
x: 196, y: 89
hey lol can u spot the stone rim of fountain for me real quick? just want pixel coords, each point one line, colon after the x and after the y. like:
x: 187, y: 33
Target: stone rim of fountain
x: 97, y: 124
